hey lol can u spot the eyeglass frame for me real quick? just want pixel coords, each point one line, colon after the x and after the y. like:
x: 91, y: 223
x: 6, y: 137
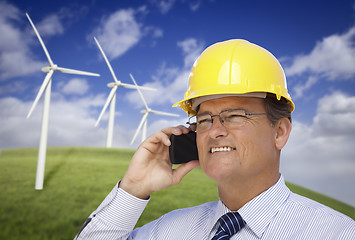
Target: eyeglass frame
x: 245, y: 115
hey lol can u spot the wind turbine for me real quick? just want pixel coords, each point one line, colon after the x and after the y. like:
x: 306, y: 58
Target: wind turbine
x: 46, y: 86
x: 112, y: 98
x: 145, y: 113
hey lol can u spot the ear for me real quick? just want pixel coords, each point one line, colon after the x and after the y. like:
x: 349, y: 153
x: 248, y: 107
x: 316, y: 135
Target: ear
x: 283, y: 130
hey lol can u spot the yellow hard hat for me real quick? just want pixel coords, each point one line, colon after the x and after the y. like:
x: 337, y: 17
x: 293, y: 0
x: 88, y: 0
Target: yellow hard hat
x: 235, y: 67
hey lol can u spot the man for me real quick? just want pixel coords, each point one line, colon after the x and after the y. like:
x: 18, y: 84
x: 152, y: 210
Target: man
x: 241, y: 113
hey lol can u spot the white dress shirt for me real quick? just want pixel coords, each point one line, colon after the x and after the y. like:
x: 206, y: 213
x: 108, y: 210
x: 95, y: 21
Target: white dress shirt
x: 276, y: 213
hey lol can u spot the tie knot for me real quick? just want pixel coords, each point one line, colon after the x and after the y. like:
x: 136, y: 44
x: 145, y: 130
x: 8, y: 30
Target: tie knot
x: 230, y: 224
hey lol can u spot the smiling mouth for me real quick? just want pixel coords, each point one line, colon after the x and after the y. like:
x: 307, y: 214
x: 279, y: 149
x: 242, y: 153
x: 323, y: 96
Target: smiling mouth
x: 221, y: 149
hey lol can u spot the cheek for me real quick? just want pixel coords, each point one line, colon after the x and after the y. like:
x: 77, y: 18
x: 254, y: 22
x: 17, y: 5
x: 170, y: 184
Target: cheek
x: 253, y: 145
x: 258, y: 148
x: 201, y: 146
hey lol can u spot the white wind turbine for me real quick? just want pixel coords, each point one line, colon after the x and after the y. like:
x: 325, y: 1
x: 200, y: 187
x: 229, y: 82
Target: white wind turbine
x: 46, y: 86
x: 145, y: 113
x: 112, y: 99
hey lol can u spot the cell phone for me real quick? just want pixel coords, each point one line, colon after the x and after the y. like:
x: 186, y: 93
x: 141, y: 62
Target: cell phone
x: 183, y: 148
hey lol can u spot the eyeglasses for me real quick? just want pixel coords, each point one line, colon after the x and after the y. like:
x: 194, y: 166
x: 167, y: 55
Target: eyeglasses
x: 229, y: 118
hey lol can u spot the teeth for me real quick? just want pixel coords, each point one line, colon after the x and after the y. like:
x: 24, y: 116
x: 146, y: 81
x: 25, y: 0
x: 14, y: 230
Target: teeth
x: 221, y: 149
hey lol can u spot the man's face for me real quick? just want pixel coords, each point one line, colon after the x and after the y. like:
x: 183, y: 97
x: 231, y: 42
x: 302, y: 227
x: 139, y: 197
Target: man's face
x: 250, y: 152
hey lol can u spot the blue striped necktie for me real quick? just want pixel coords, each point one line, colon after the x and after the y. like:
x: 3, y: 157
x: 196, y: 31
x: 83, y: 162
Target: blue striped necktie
x: 230, y: 224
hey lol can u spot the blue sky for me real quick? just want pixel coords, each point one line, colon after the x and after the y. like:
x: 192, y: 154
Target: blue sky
x: 157, y: 41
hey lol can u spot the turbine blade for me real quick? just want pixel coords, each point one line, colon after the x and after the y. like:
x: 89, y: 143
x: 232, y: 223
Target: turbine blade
x: 107, y: 62
x: 40, y: 40
x: 41, y: 90
x: 109, y: 99
x: 140, y: 93
x: 144, y: 118
x: 164, y: 113
x: 135, y: 87
x: 72, y: 71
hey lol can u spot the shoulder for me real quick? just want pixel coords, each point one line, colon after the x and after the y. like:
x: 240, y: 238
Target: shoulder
x: 312, y: 213
x: 306, y: 204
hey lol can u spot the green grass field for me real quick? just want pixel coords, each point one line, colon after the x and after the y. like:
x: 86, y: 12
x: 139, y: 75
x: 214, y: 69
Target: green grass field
x: 77, y: 180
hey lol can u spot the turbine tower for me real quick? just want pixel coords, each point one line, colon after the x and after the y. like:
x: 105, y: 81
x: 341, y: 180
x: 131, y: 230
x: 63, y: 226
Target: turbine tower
x: 145, y: 113
x: 112, y: 98
x: 46, y: 86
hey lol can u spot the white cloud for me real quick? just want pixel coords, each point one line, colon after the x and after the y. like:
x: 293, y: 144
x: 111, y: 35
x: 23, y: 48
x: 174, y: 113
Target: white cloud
x: 76, y: 86
x: 299, y: 89
x: 53, y: 24
x: 333, y: 58
x: 320, y: 156
x: 195, y: 5
x: 16, y: 57
x: 13, y: 87
x: 119, y: 32
x: 165, y: 6
x: 171, y: 82
x: 191, y: 49
x: 8, y: 11
x: 15, y: 54
x: 157, y: 33
x: 50, y: 26
x: 10, y: 37
x: 335, y: 116
x: 73, y: 12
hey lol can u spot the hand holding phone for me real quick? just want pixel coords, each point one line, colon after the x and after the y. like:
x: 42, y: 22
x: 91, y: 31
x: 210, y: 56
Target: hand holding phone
x: 183, y: 148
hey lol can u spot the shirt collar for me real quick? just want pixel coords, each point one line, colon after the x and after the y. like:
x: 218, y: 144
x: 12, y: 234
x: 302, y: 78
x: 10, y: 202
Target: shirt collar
x: 258, y: 212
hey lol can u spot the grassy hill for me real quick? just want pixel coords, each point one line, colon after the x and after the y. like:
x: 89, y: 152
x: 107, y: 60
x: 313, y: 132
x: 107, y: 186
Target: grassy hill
x: 77, y: 180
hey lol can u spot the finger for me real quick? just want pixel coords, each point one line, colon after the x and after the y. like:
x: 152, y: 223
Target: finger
x: 184, y: 129
x: 156, y: 138
x: 178, y: 130
x: 190, y: 129
x: 182, y: 170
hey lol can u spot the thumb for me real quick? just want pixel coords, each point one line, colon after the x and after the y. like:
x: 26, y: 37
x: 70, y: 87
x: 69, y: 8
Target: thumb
x: 182, y: 170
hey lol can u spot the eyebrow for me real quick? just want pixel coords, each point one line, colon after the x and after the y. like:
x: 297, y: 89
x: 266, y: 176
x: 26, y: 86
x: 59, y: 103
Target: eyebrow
x: 205, y: 112
x: 228, y: 109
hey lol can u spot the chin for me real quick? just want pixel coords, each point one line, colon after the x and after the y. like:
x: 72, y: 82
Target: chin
x: 218, y: 170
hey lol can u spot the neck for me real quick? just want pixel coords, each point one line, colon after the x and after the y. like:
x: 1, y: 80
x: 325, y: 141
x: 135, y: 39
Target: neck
x: 235, y: 194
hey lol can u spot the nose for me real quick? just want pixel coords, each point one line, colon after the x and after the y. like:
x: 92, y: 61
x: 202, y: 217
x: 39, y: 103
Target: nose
x: 217, y: 128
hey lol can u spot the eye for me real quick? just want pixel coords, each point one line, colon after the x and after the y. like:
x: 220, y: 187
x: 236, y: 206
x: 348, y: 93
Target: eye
x: 203, y: 119
x: 234, y: 117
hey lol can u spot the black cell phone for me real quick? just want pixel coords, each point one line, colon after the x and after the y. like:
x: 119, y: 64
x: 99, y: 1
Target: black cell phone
x: 183, y: 148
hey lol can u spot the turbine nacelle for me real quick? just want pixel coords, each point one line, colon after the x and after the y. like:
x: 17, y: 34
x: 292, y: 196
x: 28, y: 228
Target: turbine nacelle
x: 112, y: 84
x: 146, y: 111
x: 48, y: 68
